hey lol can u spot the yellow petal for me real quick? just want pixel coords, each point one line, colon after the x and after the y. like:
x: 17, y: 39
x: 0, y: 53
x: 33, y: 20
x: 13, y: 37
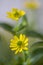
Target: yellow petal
x: 26, y: 44
x: 14, y: 9
x: 26, y: 40
x: 17, y: 19
x: 22, y: 13
x: 12, y: 45
x: 16, y: 39
x: 25, y: 48
x: 13, y: 42
x: 21, y: 37
x: 13, y: 48
x: 20, y: 50
x: 16, y: 51
x: 8, y: 13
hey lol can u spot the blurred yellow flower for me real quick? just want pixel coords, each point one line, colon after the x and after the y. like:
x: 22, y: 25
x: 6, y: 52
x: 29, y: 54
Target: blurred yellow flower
x: 32, y: 5
x: 18, y: 44
x: 15, y: 14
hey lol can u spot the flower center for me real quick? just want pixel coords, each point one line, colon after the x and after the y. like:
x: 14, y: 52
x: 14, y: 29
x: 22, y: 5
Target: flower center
x: 19, y: 43
x: 16, y: 14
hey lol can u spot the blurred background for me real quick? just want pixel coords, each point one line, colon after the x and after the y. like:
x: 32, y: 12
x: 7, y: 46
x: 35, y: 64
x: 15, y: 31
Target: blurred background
x: 35, y: 33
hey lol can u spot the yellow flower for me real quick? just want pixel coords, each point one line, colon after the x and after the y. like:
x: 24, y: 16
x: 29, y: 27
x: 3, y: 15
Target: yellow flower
x: 32, y: 5
x: 15, y: 14
x: 18, y: 44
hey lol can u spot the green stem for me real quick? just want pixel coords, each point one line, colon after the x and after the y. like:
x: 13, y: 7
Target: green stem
x: 23, y: 55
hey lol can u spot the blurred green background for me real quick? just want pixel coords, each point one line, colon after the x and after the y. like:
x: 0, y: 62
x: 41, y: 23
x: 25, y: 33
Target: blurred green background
x: 34, y: 31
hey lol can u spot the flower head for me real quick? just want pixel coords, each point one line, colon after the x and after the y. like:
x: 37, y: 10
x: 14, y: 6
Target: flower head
x: 32, y: 5
x: 18, y: 44
x: 15, y: 14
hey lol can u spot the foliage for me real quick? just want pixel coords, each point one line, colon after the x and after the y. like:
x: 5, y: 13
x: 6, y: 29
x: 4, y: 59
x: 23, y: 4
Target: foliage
x: 34, y: 54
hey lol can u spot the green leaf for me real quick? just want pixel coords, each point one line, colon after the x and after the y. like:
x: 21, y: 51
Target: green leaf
x: 7, y: 27
x: 32, y: 33
x: 37, y: 60
x: 22, y: 25
x: 37, y: 45
x: 36, y: 53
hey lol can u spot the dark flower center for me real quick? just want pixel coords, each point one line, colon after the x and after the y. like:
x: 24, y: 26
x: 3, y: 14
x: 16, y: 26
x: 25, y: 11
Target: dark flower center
x: 19, y: 43
x: 16, y: 14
